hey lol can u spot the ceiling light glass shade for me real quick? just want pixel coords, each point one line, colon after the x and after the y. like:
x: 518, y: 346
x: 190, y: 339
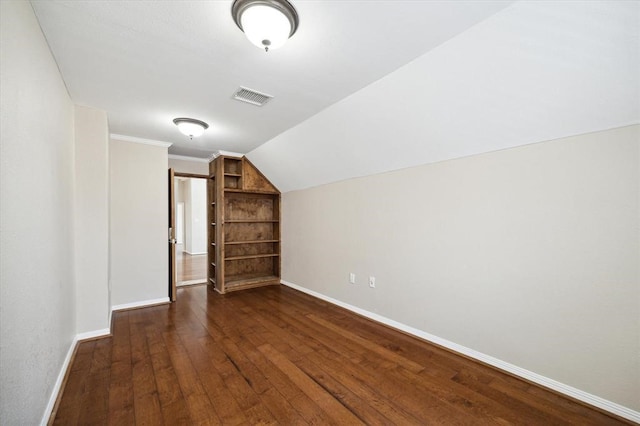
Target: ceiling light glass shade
x: 266, y: 23
x: 190, y: 126
x: 265, y: 26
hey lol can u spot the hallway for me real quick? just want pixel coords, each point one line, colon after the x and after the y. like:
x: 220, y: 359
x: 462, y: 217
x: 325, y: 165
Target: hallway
x: 191, y: 269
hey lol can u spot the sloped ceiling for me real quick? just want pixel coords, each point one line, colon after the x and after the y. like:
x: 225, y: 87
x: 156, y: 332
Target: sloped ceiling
x: 148, y: 62
x: 363, y: 87
x: 534, y: 71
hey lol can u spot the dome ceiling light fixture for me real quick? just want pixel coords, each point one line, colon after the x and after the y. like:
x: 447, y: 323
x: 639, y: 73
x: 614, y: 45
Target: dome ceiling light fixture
x: 267, y: 23
x: 190, y: 126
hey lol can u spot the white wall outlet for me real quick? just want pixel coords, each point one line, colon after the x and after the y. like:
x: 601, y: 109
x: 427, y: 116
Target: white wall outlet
x: 352, y: 278
x: 372, y: 282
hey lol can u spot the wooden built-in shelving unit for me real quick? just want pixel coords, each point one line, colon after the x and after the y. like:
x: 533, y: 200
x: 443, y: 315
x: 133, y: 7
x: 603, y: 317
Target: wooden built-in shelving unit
x: 244, y: 232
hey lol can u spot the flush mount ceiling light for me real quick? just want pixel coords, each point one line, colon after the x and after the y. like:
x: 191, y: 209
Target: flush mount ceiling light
x: 190, y: 126
x: 267, y: 23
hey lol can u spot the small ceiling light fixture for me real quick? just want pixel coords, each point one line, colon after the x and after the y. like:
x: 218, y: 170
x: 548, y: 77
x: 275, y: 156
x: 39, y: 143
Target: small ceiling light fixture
x: 190, y: 126
x: 267, y: 23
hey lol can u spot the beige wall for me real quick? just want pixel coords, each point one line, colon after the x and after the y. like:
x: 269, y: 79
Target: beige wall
x: 186, y: 166
x: 92, y: 219
x: 37, y: 288
x: 529, y: 255
x: 138, y: 220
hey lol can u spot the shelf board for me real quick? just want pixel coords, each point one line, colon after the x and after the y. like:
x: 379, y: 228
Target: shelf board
x: 250, y: 191
x: 212, y: 281
x: 213, y: 224
x: 213, y: 244
x: 213, y: 264
x: 251, y: 221
x: 251, y: 256
x: 232, y: 283
x: 233, y: 174
x: 251, y: 242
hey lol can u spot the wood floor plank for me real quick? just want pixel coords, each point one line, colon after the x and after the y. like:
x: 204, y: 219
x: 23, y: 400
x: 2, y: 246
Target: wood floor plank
x: 229, y: 357
x: 146, y: 404
x: 120, y: 402
x: 351, y: 378
x: 351, y: 399
x: 367, y: 344
x: 200, y: 408
x: 277, y: 356
x: 326, y: 401
x: 95, y: 401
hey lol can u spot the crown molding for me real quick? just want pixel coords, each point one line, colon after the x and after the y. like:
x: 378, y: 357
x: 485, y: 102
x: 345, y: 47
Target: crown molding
x: 134, y: 139
x: 186, y: 158
x: 226, y: 154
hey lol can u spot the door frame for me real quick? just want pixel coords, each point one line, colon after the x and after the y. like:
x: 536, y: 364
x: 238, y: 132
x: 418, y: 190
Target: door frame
x: 173, y: 276
x: 172, y: 237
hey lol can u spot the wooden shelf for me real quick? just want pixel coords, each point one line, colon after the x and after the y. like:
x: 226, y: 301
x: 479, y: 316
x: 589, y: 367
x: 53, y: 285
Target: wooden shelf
x: 250, y: 236
x: 212, y: 281
x: 252, y: 256
x: 238, y: 283
x: 249, y: 191
x: 251, y: 242
x: 251, y: 221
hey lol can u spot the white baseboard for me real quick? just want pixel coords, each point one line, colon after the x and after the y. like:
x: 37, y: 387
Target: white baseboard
x: 84, y: 336
x: 140, y: 304
x: 578, y: 394
x: 65, y: 366
x: 93, y: 334
x: 58, y: 383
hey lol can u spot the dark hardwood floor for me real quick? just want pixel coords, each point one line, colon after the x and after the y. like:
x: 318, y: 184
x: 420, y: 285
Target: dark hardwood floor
x: 277, y: 356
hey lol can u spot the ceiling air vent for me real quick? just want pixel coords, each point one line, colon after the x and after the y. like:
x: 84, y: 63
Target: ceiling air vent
x: 251, y: 96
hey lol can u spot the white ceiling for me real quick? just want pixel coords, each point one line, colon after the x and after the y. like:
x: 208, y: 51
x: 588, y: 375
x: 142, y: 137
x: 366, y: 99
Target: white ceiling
x: 535, y: 71
x: 147, y: 62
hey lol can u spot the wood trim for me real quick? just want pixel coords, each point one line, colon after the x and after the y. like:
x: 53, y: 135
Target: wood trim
x: 190, y: 175
x: 173, y: 275
x: 261, y: 174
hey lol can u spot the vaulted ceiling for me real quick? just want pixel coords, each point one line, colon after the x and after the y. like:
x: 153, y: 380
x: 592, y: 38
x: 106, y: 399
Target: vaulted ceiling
x: 364, y: 86
x: 535, y: 71
x: 148, y: 62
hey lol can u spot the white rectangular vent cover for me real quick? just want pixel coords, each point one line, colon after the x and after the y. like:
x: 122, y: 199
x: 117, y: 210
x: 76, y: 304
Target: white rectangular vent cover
x: 251, y: 96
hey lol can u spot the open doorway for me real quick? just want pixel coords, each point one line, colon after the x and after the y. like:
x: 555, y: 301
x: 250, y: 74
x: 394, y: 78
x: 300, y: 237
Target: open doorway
x: 190, y: 199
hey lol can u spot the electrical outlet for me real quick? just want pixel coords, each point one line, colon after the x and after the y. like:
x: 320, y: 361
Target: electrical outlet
x: 372, y: 282
x: 352, y: 278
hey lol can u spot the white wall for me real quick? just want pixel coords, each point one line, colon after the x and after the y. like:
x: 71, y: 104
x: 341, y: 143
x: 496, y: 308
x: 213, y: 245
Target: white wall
x: 138, y: 222
x: 37, y: 290
x: 196, y: 216
x: 184, y: 165
x: 530, y: 255
x: 92, y: 219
